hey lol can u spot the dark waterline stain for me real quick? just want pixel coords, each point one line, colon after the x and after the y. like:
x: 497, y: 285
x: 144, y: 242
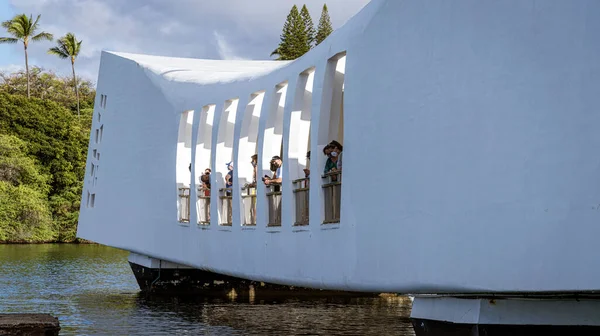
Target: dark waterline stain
x: 92, y: 291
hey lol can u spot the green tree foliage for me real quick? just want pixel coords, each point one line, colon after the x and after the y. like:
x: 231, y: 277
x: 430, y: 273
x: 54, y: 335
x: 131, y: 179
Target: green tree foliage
x: 294, y: 40
x: 68, y: 48
x: 324, y: 29
x: 49, y: 86
x: 57, y: 142
x: 308, y: 25
x: 24, y: 212
x: 24, y: 29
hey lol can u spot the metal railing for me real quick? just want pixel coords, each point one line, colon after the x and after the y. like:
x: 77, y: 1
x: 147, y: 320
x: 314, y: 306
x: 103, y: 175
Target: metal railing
x: 274, y: 204
x: 249, y: 202
x: 332, y: 189
x: 203, y: 206
x: 184, y: 205
x: 301, y: 194
x: 226, y: 211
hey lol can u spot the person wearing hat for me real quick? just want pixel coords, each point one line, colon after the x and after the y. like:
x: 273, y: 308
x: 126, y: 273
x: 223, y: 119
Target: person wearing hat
x: 276, y: 164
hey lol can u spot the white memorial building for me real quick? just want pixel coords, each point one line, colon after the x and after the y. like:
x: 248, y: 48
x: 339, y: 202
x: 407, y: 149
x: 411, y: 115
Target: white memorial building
x: 471, y: 165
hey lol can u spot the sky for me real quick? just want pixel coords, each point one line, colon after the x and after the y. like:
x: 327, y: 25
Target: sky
x: 212, y: 29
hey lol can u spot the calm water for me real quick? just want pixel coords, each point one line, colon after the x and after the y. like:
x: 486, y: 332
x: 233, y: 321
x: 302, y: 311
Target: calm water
x: 93, y: 292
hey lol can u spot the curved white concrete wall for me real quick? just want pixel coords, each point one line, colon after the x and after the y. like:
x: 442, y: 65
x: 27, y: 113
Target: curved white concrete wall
x: 470, y: 140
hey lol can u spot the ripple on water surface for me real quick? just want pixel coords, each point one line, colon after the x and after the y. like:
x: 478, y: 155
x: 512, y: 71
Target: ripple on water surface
x: 91, y: 289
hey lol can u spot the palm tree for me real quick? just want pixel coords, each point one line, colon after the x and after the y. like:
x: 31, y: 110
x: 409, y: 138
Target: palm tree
x: 23, y: 28
x: 69, y: 47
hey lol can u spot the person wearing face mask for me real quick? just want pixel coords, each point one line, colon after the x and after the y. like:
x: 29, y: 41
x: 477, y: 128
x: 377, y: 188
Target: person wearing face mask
x: 329, y: 164
x: 337, y: 148
x: 333, y: 158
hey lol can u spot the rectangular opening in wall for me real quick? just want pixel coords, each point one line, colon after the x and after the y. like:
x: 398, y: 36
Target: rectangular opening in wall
x: 331, y: 137
x: 94, y: 153
x: 93, y: 170
x: 88, y: 200
x: 272, y: 145
x: 92, y: 200
x: 298, y: 147
x: 247, y: 164
x: 98, y: 156
x: 203, y: 163
x: 101, y: 132
x: 224, y: 159
x: 99, y: 116
x: 183, y: 163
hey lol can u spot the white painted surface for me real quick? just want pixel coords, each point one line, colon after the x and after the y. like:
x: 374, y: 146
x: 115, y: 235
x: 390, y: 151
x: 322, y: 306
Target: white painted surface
x: 470, y: 140
x: 149, y: 262
x: 508, y: 312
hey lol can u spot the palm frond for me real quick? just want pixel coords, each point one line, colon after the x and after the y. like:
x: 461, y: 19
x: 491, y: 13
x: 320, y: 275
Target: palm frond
x: 58, y: 52
x: 34, y: 26
x: 43, y: 36
x: 78, y: 48
x: 22, y: 24
x: 6, y: 24
x: 67, y: 46
x: 8, y: 40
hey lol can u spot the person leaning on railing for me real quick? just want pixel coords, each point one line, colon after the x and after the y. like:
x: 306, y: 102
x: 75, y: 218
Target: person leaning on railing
x: 336, y: 153
x: 334, y: 160
x: 205, y: 179
x: 276, y: 164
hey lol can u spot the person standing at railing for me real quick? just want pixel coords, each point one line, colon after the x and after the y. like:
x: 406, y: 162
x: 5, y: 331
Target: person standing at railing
x: 276, y: 165
x: 336, y: 153
x: 254, y: 163
x: 205, y: 179
x: 330, y: 164
x: 307, y: 169
x: 229, y: 178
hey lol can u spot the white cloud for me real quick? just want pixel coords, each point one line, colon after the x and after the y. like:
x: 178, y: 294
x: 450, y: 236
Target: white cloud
x: 225, y: 50
x: 11, y: 68
x: 225, y: 29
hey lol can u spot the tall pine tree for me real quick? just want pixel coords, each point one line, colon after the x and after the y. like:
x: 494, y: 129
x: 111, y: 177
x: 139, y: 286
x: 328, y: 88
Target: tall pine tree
x: 295, y: 40
x: 309, y: 26
x: 324, y: 28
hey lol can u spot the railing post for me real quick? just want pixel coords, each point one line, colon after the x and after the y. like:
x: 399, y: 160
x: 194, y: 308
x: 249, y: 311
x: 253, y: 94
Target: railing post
x: 302, y: 201
x: 274, y: 203
x: 203, y: 206
x: 226, y: 211
x: 184, y: 205
x: 249, y: 203
x: 332, y: 189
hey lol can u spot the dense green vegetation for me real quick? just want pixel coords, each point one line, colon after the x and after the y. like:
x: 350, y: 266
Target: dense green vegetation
x: 43, y: 146
x: 299, y: 35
